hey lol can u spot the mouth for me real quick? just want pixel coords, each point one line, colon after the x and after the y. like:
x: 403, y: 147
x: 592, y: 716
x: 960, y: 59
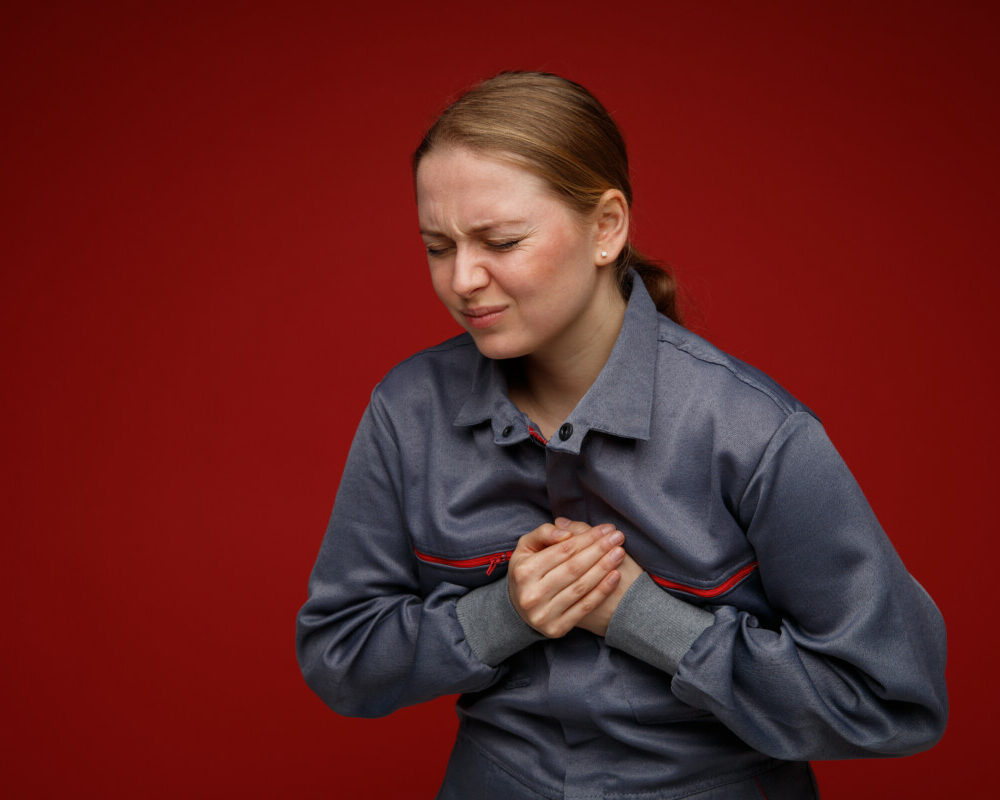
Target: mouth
x: 483, y: 316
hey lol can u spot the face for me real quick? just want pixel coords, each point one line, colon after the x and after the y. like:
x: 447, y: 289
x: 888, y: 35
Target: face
x: 512, y: 263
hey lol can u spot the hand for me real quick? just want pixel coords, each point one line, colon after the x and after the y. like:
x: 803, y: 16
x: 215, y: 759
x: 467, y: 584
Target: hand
x: 597, y: 620
x: 561, y: 573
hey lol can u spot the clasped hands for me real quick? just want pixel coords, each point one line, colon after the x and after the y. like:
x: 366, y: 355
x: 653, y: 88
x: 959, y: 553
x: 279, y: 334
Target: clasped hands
x: 570, y: 575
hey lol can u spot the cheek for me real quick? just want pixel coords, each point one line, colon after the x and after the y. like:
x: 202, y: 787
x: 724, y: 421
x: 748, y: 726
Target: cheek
x: 440, y: 281
x: 569, y: 243
x: 562, y: 262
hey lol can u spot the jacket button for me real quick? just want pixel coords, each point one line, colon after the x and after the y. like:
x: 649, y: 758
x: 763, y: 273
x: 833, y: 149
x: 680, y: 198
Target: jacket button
x: 565, y: 431
x: 507, y: 431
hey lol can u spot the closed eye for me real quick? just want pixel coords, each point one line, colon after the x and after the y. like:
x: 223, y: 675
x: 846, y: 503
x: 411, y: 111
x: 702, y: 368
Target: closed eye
x: 436, y: 250
x: 510, y: 244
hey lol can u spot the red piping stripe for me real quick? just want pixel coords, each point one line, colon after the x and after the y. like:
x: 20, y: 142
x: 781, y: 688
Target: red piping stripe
x: 713, y: 591
x: 537, y: 436
x: 491, y: 562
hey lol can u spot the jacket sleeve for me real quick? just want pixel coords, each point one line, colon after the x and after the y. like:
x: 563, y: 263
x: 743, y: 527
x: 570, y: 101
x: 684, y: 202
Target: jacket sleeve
x: 367, y: 641
x: 856, y: 667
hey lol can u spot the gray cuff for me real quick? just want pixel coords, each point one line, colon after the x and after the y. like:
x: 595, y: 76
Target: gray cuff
x: 493, y: 629
x: 655, y: 626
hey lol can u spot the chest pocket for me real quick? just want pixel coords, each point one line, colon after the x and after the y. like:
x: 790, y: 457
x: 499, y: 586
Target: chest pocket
x: 471, y: 571
x: 743, y: 590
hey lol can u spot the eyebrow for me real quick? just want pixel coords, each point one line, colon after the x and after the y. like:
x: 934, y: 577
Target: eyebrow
x: 480, y: 228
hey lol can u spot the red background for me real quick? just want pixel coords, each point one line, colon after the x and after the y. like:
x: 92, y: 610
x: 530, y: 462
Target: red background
x: 209, y: 256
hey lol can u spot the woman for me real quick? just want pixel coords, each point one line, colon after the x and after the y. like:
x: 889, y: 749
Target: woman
x: 639, y: 560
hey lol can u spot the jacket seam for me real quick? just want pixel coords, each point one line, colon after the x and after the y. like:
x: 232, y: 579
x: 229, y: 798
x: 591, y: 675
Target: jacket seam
x: 748, y: 380
x: 764, y: 454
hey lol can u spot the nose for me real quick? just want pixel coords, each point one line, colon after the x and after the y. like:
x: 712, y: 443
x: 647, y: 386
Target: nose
x: 470, y: 273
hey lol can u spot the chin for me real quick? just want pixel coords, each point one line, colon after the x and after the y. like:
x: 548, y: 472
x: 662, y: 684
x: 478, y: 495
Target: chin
x: 498, y: 350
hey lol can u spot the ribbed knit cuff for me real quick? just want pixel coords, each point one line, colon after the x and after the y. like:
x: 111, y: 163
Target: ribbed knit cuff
x: 655, y: 626
x: 493, y: 629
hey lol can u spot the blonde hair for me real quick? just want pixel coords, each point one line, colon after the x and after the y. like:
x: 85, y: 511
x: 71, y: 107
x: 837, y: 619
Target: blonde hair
x: 557, y: 130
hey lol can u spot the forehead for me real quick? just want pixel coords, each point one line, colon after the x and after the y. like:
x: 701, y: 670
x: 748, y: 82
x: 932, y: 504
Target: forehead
x: 463, y: 185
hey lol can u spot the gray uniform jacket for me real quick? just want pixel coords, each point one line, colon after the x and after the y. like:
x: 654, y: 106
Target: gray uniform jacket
x: 774, y: 622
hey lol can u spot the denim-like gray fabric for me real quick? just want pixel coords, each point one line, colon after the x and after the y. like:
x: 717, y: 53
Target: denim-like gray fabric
x: 730, y: 497
x: 472, y: 773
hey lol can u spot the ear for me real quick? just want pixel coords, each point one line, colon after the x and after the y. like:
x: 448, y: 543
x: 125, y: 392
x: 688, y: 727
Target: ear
x: 612, y: 218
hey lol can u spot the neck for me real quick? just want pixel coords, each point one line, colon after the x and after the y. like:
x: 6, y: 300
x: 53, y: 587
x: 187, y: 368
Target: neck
x: 548, y: 385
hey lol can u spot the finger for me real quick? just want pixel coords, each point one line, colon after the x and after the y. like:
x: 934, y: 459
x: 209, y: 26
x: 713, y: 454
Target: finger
x: 583, y: 586
x: 533, y: 592
x: 572, y: 558
x: 554, y: 625
x: 575, y: 547
x: 541, y: 537
x: 535, y: 579
x: 573, y: 526
x: 592, y: 601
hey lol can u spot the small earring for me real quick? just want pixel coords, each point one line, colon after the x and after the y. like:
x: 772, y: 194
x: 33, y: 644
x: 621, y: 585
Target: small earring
x: 604, y: 254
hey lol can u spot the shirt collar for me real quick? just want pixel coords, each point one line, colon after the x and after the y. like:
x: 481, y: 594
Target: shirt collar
x: 619, y: 402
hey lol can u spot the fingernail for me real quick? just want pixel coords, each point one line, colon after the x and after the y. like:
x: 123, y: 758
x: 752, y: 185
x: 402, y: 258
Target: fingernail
x: 607, y: 528
x: 561, y: 522
x: 617, y: 537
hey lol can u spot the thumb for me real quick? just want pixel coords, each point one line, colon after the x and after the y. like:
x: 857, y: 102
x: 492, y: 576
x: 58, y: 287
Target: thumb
x: 542, y: 536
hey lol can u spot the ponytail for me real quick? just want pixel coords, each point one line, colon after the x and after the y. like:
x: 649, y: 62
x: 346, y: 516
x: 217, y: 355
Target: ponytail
x: 658, y: 279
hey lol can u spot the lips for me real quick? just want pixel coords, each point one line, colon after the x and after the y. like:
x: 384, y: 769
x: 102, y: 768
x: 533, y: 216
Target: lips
x: 483, y: 316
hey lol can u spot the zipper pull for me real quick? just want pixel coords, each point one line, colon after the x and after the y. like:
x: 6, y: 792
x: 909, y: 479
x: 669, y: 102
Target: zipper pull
x: 496, y: 561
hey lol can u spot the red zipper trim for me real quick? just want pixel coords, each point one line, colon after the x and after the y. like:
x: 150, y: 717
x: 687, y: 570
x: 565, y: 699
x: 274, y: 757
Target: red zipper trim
x: 537, y: 436
x: 713, y: 591
x: 491, y: 562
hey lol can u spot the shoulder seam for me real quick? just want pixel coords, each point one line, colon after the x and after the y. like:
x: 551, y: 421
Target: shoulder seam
x: 461, y: 341
x: 743, y: 378
x: 766, y: 449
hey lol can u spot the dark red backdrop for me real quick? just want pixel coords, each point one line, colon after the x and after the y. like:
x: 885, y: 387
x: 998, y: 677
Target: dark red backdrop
x: 209, y: 256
